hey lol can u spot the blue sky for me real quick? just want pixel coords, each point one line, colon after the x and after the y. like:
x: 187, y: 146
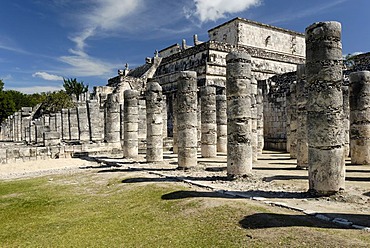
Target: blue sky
x: 42, y: 41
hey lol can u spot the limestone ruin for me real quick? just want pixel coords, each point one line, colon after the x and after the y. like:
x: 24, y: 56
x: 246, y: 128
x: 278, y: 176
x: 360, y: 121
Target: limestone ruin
x: 236, y: 94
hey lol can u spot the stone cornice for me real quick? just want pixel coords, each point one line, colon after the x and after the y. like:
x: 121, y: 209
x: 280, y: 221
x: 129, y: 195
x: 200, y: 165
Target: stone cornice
x: 224, y: 47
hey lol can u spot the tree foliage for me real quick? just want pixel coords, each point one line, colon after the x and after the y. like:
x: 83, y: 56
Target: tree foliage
x: 7, y: 106
x: 12, y: 101
x: 56, y: 101
x: 73, y: 87
x: 1, y: 85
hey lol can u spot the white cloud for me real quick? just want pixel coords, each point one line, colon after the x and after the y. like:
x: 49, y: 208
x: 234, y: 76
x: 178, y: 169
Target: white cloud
x: 103, y: 16
x: 35, y: 89
x: 212, y: 10
x: 108, y: 14
x: 47, y: 76
x: 84, y: 65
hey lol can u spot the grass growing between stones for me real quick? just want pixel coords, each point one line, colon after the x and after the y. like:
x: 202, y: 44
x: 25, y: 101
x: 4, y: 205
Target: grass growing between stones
x: 95, y: 210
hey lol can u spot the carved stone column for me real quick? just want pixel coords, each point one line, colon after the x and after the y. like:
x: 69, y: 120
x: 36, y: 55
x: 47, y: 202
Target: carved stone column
x: 239, y: 135
x: 187, y: 119
x: 325, y: 108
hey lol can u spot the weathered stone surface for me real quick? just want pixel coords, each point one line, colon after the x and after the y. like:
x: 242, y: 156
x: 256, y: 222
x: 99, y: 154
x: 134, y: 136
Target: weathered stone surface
x: 131, y: 119
x: 113, y: 119
x: 95, y: 128
x: 174, y: 126
x: 154, y: 118
x: 51, y: 138
x: 208, y: 122
x: 360, y: 117
x: 187, y: 110
x: 260, y: 141
x: 73, y: 124
x: 302, y: 139
x: 65, y: 125
x: 239, y: 135
x: 292, y: 110
x: 164, y: 113
x: 325, y: 108
x: 254, y: 116
x: 221, y: 119
x: 346, y: 119
x: 83, y: 122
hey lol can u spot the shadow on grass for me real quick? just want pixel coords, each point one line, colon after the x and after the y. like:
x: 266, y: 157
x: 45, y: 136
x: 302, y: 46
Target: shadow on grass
x: 271, y: 220
x: 183, y: 194
x: 153, y: 179
x: 237, y: 194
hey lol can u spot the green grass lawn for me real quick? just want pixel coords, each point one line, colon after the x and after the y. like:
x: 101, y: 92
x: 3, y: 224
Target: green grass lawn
x: 94, y: 210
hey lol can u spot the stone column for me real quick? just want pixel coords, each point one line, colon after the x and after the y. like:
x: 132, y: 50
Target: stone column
x: 73, y: 124
x: 221, y: 117
x: 58, y: 122
x: 154, y: 120
x: 83, y: 122
x: 260, y: 142
x: 96, y: 132
x: 65, y: 125
x: 52, y: 122
x: 199, y: 118
x: 187, y: 119
x: 302, y: 145
x: 112, y: 119
x: 164, y: 113
x: 360, y: 117
x: 238, y: 92
x: 325, y: 108
x: 18, y: 126
x: 32, y: 132
x: 288, y: 112
x: 39, y: 129
x: 346, y: 118
x: 254, y: 141
x: 131, y: 128
x: 142, y: 118
x: 26, y: 113
x: 293, y: 120
x: 208, y: 122
x: 122, y: 123
x: 174, y: 124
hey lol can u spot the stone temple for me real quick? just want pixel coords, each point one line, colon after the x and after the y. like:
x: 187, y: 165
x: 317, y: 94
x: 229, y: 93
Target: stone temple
x: 251, y: 86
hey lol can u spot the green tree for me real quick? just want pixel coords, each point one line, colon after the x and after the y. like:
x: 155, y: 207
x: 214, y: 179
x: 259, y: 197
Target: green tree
x: 72, y: 86
x: 1, y: 85
x: 56, y: 101
x: 7, y: 106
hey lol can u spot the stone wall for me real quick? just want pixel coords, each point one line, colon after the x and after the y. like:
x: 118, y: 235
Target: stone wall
x: 240, y: 31
x: 275, y: 114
